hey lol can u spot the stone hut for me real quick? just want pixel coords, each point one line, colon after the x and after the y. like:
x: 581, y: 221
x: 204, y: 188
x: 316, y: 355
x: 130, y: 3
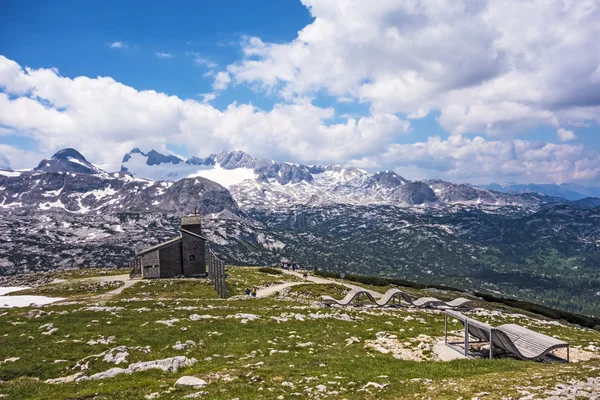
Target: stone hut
x: 180, y: 256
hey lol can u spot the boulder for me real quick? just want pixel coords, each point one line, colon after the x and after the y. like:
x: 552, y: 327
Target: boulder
x: 190, y: 381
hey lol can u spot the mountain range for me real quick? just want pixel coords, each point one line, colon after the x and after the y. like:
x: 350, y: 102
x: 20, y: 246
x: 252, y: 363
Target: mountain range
x: 67, y: 212
x: 262, y: 183
x: 569, y: 191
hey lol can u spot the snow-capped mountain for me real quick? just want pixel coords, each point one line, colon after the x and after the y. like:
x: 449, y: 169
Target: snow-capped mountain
x: 267, y: 184
x: 68, y: 160
x: 69, y: 182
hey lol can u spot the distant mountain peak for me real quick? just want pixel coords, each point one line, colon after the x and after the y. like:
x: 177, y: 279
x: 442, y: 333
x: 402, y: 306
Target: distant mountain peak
x: 153, y: 157
x: 67, y: 153
x: 68, y: 160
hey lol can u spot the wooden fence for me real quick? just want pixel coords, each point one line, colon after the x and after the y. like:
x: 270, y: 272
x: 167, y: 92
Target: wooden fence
x: 136, y: 267
x: 216, y: 274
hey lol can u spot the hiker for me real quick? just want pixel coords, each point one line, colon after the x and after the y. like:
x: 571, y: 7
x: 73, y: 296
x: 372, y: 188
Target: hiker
x: 247, y: 292
x: 305, y: 275
x: 253, y: 294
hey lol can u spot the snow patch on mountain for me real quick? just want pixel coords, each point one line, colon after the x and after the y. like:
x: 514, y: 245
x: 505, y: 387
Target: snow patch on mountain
x: 5, y: 172
x: 137, y: 165
x: 225, y: 177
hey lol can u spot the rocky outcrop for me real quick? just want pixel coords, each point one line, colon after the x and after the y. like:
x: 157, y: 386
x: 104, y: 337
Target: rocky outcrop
x: 167, y: 365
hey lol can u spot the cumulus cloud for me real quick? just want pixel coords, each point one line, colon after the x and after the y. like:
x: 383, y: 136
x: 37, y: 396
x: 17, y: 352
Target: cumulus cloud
x: 494, y: 67
x: 104, y: 119
x: 118, y: 45
x: 163, y: 55
x: 208, y: 97
x: 564, y: 135
x: 15, y: 158
x: 479, y: 160
x: 221, y: 81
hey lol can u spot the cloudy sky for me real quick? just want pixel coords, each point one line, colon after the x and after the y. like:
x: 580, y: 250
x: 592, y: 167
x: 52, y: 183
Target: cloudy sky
x: 472, y: 90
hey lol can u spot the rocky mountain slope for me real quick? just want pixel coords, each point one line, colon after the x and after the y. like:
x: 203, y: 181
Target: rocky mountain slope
x: 269, y: 185
x: 70, y: 213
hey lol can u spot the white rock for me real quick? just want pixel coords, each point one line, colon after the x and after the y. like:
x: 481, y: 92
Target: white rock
x: 167, y: 365
x: 168, y: 322
x: 65, y: 379
x: 190, y: 381
x: 196, y: 317
x: 194, y: 395
x: 375, y: 385
x: 117, y: 355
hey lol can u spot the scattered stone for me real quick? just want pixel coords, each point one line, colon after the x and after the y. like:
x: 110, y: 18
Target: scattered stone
x: 33, y: 314
x: 196, y: 317
x: 375, y: 385
x: 352, y: 340
x: 169, y: 322
x: 194, y: 395
x: 244, y: 318
x: 65, y: 379
x: 167, y: 365
x: 117, y: 355
x: 183, y: 346
x: 101, y: 340
x: 106, y: 309
x: 190, y: 381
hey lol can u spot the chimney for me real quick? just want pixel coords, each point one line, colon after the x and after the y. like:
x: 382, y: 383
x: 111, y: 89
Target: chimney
x: 192, y: 223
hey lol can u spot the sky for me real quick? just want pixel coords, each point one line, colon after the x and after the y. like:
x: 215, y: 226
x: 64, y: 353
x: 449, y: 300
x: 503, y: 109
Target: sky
x: 469, y: 91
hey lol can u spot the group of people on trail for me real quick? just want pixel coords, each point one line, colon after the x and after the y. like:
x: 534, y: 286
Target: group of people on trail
x: 287, y: 266
x: 294, y: 267
x: 250, y: 292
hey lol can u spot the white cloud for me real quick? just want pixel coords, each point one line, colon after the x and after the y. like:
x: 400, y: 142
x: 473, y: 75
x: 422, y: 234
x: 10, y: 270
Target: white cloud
x: 104, y: 119
x: 208, y: 97
x: 4, y: 162
x: 479, y: 160
x: 163, y: 55
x: 118, y: 45
x: 564, y: 135
x: 222, y: 80
x: 201, y: 61
x: 12, y: 157
x: 493, y: 67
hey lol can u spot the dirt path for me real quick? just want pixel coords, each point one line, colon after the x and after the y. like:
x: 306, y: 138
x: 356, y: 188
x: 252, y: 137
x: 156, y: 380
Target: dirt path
x: 107, y: 278
x: 311, y: 279
x: 264, y: 292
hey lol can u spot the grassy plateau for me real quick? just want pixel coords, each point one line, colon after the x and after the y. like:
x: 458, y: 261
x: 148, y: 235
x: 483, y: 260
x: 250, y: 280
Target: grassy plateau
x: 285, y: 346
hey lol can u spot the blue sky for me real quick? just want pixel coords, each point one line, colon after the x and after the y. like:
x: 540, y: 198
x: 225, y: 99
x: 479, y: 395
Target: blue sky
x: 315, y: 82
x: 74, y: 36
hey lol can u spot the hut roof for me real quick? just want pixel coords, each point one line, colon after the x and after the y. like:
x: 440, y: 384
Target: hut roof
x: 159, y: 246
x: 193, y: 234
